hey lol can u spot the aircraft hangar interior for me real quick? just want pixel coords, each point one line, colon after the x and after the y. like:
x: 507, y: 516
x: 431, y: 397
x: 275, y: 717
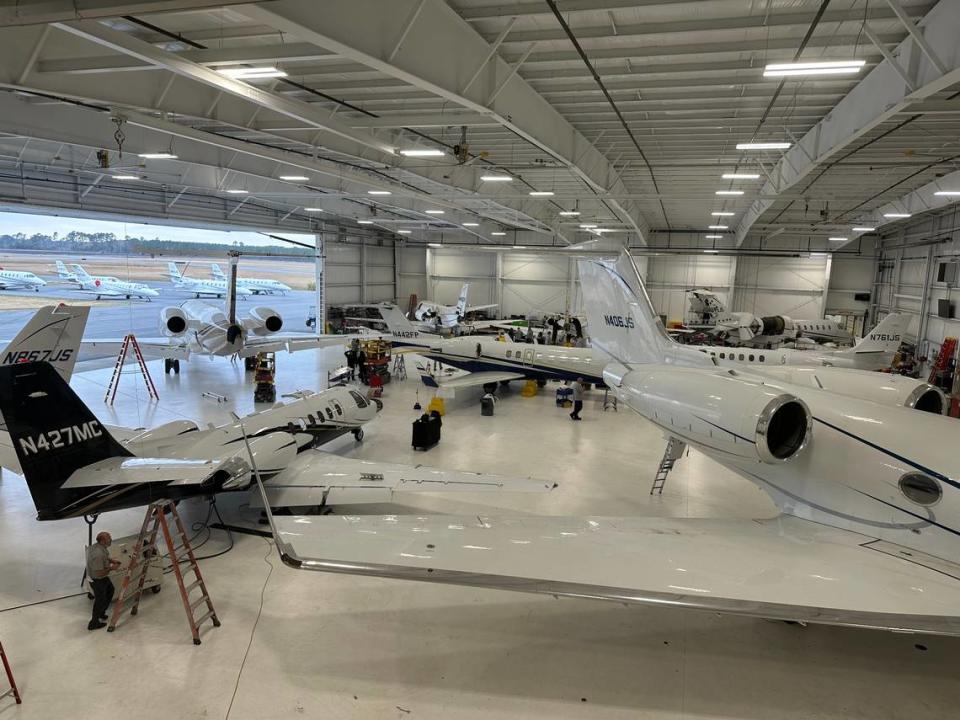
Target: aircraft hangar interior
x: 477, y: 359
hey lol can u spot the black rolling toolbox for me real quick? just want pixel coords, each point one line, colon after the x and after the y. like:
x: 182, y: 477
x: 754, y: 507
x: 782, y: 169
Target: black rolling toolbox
x: 426, y: 431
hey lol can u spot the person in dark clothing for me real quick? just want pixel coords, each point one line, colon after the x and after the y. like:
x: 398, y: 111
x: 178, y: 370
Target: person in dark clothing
x: 577, y: 399
x: 99, y: 566
x: 362, y: 365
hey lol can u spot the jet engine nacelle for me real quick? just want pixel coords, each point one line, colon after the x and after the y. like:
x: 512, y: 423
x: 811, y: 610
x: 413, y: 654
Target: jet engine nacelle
x: 173, y: 321
x: 272, y: 452
x: 882, y: 388
x: 722, y: 411
x: 264, y: 321
x: 775, y: 325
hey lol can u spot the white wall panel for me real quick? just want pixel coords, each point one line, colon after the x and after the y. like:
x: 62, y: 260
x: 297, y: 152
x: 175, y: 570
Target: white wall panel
x: 413, y: 274
x: 794, y: 287
x: 669, y: 277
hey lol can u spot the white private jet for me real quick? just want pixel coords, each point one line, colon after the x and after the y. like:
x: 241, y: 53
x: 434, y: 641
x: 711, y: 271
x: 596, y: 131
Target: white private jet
x: 446, y: 316
x: 103, y: 286
x: 214, y: 288
x: 76, y: 466
x: 198, y: 327
x: 868, y: 533
x: 20, y: 280
x: 743, y: 328
x: 258, y: 286
x: 488, y: 361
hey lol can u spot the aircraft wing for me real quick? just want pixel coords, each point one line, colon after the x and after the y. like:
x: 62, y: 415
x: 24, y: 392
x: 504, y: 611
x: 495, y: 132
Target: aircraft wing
x: 290, y: 343
x: 476, y: 308
x: 102, y: 292
x: 152, y: 348
x: 469, y: 380
x: 317, y: 478
x: 784, y: 568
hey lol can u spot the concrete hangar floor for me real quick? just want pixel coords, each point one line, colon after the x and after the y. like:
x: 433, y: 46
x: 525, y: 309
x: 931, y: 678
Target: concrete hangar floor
x: 311, y: 645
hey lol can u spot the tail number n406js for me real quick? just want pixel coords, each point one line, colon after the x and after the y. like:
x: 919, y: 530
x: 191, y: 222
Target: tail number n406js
x: 619, y: 321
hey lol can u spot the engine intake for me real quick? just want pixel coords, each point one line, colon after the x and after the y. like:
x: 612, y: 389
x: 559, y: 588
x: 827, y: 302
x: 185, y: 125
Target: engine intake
x: 173, y: 321
x: 783, y: 429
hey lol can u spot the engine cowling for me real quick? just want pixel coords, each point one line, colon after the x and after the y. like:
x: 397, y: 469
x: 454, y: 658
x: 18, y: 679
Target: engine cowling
x: 722, y: 411
x: 264, y: 321
x: 173, y: 321
x: 882, y: 388
x: 272, y: 452
x: 169, y: 430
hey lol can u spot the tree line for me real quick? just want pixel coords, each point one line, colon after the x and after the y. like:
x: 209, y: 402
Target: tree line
x: 106, y: 243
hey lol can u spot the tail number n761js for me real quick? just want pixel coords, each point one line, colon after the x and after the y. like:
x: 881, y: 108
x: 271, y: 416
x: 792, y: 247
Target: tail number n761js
x: 69, y: 435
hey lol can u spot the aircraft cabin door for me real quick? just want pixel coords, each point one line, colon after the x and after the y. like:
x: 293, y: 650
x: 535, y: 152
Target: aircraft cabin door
x: 528, y: 357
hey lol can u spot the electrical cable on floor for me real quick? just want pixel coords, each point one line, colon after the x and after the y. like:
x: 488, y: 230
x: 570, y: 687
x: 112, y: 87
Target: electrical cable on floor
x: 253, y: 630
x: 199, y: 527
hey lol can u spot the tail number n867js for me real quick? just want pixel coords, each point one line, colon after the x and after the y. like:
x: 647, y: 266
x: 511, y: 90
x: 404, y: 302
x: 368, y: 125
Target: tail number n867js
x: 51, y: 356
x: 69, y: 435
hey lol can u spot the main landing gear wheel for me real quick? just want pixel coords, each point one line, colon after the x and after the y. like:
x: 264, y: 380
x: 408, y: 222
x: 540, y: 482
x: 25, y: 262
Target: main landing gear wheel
x: 490, y: 387
x: 169, y: 365
x: 250, y: 363
x: 358, y: 434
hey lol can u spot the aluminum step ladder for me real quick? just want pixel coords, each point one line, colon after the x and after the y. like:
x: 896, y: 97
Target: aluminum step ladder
x: 129, y: 342
x: 156, y: 521
x: 399, y: 371
x: 672, y: 453
x: 13, y: 685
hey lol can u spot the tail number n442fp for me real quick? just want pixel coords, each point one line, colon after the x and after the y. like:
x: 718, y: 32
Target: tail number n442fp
x: 65, y: 436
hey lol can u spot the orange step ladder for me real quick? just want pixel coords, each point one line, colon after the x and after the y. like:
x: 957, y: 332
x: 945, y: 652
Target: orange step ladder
x: 156, y: 521
x: 13, y: 685
x: 129, y: 341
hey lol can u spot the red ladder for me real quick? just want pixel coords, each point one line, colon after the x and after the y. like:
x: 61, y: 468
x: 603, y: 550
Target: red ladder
x: 943, y: 359
x: 128, y: 342
x: 13, y: 685
x: 156, y: 521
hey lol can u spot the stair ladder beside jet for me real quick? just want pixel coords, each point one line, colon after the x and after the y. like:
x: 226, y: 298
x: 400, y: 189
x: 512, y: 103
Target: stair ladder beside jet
x: 156, y: 521
x: 13, y: 685
x: 129, y: 341
x: 399, y: 371
x: 672, y: 453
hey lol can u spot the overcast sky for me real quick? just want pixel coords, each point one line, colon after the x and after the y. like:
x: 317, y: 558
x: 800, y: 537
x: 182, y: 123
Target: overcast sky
x: 13, y: 223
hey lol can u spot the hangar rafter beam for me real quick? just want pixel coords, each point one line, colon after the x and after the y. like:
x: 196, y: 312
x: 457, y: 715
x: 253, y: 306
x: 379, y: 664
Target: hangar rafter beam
x: 440, y: 32
x: 879, y: 97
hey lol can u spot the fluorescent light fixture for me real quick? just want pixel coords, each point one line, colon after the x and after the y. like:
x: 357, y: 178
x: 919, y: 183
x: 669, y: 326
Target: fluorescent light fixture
x: 541, y: 193
x: 838, y: 239
x: 422, y: 152
x: 711, y: 252
x: 896, y: 215
x: 587, y: 226
x: 435, y: 245
x: 236, y: 191
x: 379, y: 192
x: 404, y: 232
x: 714, y: 237
x: 434, y: 212
x: 863, y: 229
x: 740, y: 176
x: 519, y: 247
x: 313, y: 209
x: 364, y: 222
x: 498, y: 234
x: 471, y: 224
x: 763, y: 146
x: 722, y: 214
x: 252, y: 73
x: 569, y: 213
x: 496, y: 178
x: 729, y: 192
x: 158, y: 156
x: 126, y: 177
x: 818, y: 255
x: 947, y: 193
x: 294, y: 178
x: 825, y: 67
x: 718, y: 227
